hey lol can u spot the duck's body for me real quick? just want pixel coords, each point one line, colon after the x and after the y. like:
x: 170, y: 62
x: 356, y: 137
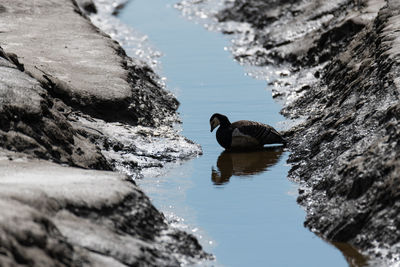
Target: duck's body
x: 243, y: 135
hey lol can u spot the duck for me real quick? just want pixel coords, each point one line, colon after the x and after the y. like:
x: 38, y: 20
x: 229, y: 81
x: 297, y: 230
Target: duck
x: 244, y: 134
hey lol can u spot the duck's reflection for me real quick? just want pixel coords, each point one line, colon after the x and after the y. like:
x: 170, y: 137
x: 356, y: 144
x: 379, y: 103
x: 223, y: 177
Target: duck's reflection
x: 244, y: 163
x: 351, y: 254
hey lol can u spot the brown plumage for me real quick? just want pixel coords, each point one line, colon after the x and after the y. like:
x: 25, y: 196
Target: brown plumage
x: 244, y: 134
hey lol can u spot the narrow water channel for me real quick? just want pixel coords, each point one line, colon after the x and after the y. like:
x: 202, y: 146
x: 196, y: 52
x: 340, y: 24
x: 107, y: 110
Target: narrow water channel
x: 240, y: 206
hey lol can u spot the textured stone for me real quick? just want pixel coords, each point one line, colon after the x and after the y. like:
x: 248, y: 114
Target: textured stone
x: 34, y: 123
x: 81, y: 65
x: 67, y: 216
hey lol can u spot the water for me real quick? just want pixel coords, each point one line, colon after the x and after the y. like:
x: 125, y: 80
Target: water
x: 241, y: 206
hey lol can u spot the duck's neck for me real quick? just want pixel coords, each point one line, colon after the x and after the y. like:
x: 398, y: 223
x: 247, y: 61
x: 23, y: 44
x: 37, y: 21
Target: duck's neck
x: 224, y: 122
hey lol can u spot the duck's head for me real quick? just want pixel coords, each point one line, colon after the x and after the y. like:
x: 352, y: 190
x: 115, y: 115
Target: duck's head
x: 218, y: 119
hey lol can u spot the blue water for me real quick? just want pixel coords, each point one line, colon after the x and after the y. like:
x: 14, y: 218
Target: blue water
x: 250, y: 219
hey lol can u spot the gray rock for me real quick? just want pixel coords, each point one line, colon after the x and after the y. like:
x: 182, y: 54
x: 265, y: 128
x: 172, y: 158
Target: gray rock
x: 32, y: 122
x: 104, y: 83
x: 303, y: 33
x: 70, y: 216
x: 349, y: 145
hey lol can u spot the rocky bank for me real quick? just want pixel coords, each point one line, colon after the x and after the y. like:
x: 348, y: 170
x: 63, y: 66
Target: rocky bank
x: 74, y: 107
x: 339, y: 79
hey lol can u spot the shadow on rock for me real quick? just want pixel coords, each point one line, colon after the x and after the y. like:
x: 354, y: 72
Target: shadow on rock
x: 244, y: 163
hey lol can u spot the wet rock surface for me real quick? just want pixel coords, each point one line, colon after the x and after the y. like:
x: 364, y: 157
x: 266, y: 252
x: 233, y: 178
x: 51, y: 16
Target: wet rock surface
x: 71, y: 100
x: 61, y: 63
x: 34, y: 123
x: 69, y: 216
x: 340, y: 78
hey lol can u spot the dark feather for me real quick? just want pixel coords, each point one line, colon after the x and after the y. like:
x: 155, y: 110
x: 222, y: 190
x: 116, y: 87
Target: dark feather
x: 263, y: 133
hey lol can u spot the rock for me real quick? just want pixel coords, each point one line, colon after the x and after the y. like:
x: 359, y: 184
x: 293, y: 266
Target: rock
x: 70, y: 216
x: 105, y: 83
x: 136, y: 149
x: 353, y: 175
x: 300, y: 32
x: 31, y: 123
x: 80, y: 75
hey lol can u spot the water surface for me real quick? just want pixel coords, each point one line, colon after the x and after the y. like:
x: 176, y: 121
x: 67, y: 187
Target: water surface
x: 240, y: 206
